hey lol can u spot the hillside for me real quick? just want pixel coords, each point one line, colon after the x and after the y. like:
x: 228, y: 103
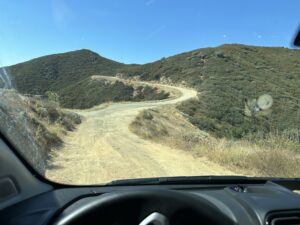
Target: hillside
x: 68, y: 75
x: 275, y: 155
x: 35, y: 126
x: 225, y: 76
x: 90, y: 92
x: 56, y: 72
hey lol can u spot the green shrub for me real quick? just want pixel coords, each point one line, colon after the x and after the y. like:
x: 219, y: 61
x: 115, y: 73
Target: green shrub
x: 52, y: 96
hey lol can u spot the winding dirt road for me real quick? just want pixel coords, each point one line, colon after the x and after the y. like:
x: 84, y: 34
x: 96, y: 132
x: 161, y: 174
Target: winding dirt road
x: 103, y: 149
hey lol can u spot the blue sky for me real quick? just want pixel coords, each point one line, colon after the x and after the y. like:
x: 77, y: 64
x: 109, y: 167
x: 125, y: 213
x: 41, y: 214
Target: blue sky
x: 140, y: 31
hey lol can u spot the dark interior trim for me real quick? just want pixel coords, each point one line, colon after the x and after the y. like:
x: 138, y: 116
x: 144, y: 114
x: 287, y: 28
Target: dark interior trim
x: 297, y: 39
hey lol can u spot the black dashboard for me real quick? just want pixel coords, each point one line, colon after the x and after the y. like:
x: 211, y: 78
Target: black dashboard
x: 258, y: 203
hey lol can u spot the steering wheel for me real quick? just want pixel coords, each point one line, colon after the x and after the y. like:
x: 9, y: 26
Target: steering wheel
x: 143, y: 207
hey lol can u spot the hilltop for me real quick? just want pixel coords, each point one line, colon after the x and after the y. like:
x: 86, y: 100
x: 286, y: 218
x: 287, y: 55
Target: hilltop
x: 56, y: 72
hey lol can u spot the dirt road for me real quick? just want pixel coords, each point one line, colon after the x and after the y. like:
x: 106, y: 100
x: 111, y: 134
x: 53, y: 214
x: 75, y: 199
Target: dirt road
x: 103, y: 149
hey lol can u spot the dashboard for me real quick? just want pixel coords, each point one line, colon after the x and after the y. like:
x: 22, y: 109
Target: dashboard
x: 263, y: 203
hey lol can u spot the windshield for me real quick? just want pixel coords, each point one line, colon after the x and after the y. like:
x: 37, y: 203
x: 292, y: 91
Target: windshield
x: 96, y: 91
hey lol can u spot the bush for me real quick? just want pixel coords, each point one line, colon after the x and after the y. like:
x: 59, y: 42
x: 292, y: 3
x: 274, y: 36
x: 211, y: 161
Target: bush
x: 147, y: 115
x: 52, y: 96
x: 203, y: 124
x: 52, y: 112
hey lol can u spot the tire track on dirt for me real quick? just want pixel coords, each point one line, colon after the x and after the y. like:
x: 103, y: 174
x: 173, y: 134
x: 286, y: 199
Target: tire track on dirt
x: 103, y: 149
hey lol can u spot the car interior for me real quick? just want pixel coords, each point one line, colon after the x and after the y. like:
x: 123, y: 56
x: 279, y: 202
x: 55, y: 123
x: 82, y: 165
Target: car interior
x: 27, y: 198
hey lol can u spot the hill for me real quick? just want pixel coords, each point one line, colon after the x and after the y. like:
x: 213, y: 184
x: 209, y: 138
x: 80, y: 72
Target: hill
x: 224, y: 76
x: 56, y: 72
x: 228, y: 75
x: 69, y: 76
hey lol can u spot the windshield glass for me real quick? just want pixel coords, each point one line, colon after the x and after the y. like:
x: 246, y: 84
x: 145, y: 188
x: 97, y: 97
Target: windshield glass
x: 95, y: 91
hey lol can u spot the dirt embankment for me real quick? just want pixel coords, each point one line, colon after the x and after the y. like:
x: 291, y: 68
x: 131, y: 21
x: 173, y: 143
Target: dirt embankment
x: 34, y: 126
x: 275, y: 155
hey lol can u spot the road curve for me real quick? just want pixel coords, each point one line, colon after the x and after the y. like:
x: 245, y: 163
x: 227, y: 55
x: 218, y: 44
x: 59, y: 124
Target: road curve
x: 103, y: 149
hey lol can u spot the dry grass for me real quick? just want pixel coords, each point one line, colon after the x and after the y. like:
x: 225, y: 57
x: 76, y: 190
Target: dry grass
x: 251, y: 159
x: 275, y: 155
x: 166, y: 125
x: 35, y: 126
x: 49, y: 115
